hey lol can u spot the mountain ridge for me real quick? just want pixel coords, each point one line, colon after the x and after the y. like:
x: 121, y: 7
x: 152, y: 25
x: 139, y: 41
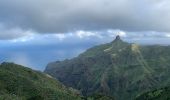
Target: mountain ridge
x: 120, y: 69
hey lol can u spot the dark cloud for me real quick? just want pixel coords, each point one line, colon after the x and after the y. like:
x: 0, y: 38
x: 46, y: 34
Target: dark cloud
x: 13, y: 33
x: 62, y: 16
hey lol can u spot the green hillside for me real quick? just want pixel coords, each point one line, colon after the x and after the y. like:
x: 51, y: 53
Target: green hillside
x: 158, y: 94
x: 118, y: 69
x: 20, y: 83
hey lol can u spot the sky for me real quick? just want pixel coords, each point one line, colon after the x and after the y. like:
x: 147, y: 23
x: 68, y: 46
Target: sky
x: 36, y: 32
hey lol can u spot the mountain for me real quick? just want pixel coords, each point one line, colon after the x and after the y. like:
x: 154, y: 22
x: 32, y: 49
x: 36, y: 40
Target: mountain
x: 21, y: 83
x: 158, y: 94
x: 119, y: 69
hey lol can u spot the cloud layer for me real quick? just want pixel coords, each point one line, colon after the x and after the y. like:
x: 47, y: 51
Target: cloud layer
x: 39, y: 50
x: 76, y: 25
x: 63, y: 16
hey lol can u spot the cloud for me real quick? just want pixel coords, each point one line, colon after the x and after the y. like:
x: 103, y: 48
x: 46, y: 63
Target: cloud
x: 10, y: 33
x: 84, y: 34
x: 81, y: 37
x: 14, y: 33
x: 42, y: 49
x: 64, y: 16
x: 167, y: 35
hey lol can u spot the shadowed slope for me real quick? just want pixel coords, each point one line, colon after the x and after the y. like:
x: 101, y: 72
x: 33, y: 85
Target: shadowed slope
x: 158, y: 94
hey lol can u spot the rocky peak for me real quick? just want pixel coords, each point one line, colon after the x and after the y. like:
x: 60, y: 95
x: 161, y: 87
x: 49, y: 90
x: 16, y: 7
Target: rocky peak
x: 117, y: 39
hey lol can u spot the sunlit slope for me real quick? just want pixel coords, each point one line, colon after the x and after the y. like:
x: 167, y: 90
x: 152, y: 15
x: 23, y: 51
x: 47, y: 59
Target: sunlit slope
x: 20, y: 83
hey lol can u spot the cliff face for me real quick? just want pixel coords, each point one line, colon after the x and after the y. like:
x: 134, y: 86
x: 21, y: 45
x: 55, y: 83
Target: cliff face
x: 118, y: 69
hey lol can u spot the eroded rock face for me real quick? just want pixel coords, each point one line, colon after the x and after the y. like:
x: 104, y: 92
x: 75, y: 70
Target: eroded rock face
x: 117, y: 38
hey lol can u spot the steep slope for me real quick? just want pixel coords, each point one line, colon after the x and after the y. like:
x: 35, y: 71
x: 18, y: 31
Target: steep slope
x: 98, y: 97
x: 20, y: 83
x: 118, y: 68
x: 158, y: 94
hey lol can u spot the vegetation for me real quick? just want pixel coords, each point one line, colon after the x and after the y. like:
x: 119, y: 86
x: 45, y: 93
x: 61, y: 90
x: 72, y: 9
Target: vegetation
x: 20, y: 83
x: 99, y: 97
x: 158, y: 94
x: 116, y: 69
